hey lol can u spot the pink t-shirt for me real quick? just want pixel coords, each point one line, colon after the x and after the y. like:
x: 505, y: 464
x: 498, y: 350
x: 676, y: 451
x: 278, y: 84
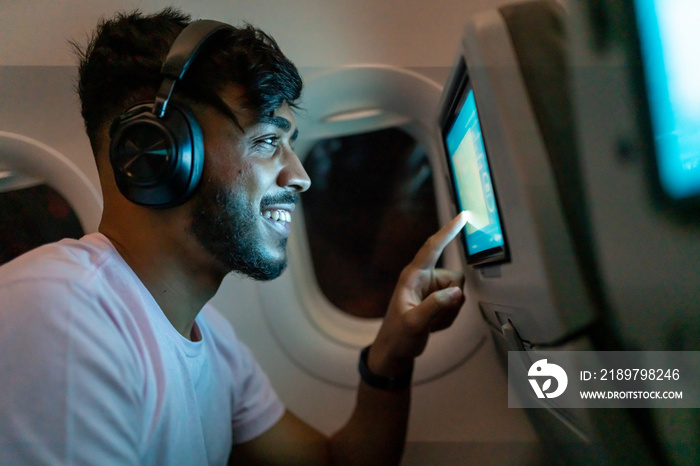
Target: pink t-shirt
x: 92, y: 372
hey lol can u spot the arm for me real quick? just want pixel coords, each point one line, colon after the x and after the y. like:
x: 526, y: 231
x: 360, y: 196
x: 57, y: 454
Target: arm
x: 425, y: 300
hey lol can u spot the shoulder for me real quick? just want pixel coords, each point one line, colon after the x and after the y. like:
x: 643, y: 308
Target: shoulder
x: 58, y: 292
x: 68, y: 259
x: 62, y: 326
x: 72, y: 366
x: 54, y: 308
x: 58, y: 274
x: 49, y: 278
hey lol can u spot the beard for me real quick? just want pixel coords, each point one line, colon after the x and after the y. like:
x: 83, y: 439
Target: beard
x: 226, y: 225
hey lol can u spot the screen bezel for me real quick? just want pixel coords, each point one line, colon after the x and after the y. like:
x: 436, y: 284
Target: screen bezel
x: 461, y: 88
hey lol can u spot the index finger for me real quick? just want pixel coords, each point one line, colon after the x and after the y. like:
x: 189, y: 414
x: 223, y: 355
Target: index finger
x: 428, y: 255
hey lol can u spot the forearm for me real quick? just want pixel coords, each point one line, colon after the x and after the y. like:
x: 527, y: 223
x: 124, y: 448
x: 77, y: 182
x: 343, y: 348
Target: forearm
x: 426, y: 299
x: 374, y: 435
x: 376, y: 431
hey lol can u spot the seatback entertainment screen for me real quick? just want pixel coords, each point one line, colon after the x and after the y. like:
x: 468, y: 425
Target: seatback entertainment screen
x: 669, y: 34
x: 472, y: 184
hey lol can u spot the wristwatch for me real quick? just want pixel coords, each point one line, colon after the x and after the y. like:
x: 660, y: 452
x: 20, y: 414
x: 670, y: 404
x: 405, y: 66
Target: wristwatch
x: 399, y: 382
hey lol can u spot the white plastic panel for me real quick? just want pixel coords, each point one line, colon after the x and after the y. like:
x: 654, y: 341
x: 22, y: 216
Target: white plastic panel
x: 540, y: 288
x: 25, y: 160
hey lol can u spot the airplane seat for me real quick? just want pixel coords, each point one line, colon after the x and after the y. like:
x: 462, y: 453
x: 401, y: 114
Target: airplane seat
x: 540, y: 35
x: 538, y: 31
x: 515, y: 58
x: 44, y: 196
x: 544, y: 293
x: 636, y: 99
x: 541, y: 41
x: 640, y: 220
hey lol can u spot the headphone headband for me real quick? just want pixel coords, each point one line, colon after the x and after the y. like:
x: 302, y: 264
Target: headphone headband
x: 180, y: 56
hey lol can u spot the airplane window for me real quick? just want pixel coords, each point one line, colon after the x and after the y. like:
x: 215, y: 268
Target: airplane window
x: 370, y: 208
x: 34, y: 216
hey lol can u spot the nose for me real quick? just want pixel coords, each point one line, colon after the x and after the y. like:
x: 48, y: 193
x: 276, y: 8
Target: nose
x: 293, y: 175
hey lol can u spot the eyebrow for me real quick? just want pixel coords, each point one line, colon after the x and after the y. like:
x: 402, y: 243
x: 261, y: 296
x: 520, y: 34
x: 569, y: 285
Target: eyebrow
x: 281, y: 123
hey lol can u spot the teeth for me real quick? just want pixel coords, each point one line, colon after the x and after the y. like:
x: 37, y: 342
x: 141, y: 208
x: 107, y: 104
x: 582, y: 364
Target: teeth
x: 277, y: 215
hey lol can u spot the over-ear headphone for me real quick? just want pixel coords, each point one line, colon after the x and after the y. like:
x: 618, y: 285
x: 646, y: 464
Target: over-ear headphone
x: 157, y: 153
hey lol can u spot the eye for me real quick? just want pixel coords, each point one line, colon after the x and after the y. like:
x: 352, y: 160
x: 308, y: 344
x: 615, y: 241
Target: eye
x: 266, y: 144
x: 268, y: 140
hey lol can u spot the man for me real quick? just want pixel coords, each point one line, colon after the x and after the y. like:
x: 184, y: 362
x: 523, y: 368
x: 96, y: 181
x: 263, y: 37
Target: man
x: 110, y: 354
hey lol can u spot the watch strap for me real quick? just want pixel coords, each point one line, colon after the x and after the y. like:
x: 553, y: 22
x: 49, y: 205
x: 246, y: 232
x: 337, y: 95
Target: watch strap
x: 399, y: 382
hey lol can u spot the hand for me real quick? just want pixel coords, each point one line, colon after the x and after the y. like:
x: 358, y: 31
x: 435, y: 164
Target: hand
x: 425, y: 300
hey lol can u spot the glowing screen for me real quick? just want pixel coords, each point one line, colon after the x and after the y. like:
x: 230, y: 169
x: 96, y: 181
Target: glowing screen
x: 472, y: 180
x: 669, y: 35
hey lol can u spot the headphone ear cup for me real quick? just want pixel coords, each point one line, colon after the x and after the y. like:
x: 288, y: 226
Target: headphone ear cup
x: 157, y: 162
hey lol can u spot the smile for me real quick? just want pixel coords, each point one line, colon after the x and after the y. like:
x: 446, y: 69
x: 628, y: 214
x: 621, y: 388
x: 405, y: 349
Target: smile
x: 277, y: 215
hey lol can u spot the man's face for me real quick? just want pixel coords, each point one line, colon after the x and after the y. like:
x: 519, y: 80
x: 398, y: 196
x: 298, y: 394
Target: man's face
x: 242, y: 213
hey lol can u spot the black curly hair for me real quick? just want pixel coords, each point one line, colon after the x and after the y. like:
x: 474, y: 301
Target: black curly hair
x: 121, y: 65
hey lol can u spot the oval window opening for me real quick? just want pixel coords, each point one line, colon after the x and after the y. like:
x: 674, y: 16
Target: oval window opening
x: 38, y: 215
x: 370, y: 207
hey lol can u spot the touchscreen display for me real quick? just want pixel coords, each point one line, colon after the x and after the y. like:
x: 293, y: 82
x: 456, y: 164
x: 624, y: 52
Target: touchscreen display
x: 473, y: 187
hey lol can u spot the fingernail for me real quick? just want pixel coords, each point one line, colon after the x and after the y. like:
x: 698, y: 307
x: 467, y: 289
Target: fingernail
x: 454, y: 292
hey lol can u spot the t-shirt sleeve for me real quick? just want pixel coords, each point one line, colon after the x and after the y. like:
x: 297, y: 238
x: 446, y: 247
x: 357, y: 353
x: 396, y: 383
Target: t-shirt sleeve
x: 255, y: 406
x: 62, y: 399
